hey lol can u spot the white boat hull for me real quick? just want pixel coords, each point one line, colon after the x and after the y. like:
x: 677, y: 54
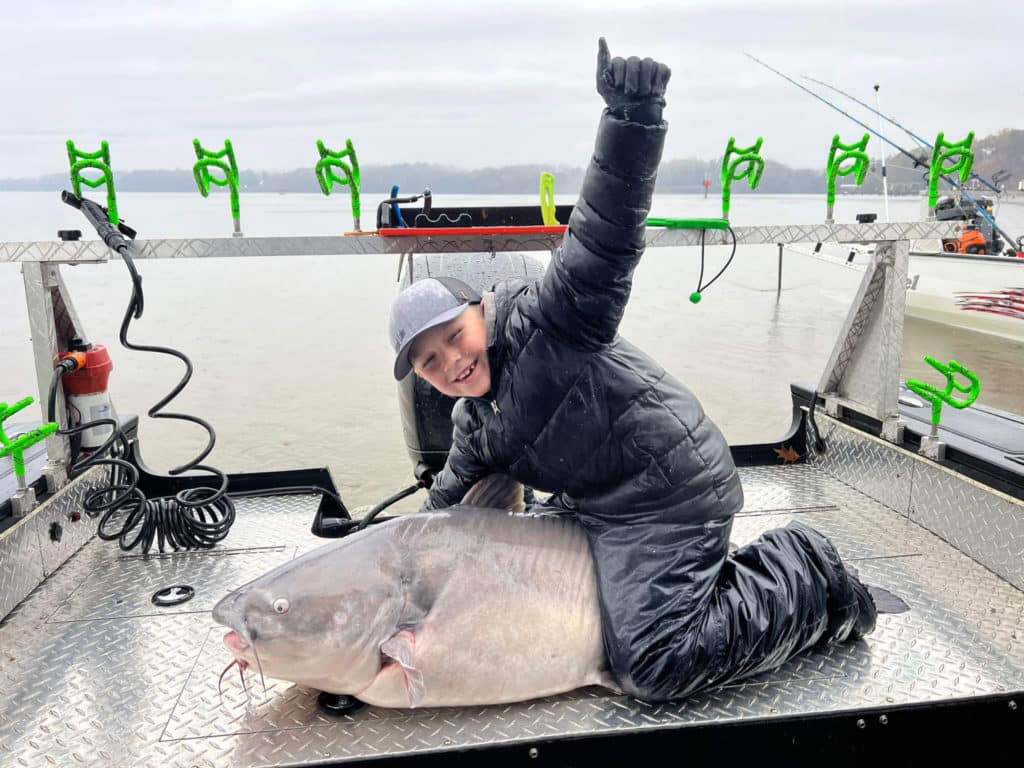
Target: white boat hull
x: 968, y: 292
x: 984, y: 294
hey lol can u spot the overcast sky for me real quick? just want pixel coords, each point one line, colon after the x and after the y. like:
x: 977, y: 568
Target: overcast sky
x: 477, y: 84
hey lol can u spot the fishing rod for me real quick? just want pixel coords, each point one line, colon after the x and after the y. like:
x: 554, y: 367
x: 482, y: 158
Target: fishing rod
x: 851, y: 97
x: 903, y: 128
x: 917, y: 162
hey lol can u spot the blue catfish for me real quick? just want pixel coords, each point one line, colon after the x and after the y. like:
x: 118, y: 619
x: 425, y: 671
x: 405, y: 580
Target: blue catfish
x: 468, y: 606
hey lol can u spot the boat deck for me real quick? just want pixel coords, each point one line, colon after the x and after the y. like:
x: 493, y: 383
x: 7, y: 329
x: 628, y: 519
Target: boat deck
x: 91, y: 672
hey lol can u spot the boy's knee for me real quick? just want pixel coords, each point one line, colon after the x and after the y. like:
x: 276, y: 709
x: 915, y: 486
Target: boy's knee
x: 676, y: 664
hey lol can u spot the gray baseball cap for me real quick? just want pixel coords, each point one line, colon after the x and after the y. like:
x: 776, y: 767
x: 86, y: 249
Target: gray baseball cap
x: 423, y: 305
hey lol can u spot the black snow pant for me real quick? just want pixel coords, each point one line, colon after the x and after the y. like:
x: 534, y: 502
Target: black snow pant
x: 681, y: 614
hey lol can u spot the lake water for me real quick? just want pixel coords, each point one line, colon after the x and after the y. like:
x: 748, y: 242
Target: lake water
x: 292, y: 363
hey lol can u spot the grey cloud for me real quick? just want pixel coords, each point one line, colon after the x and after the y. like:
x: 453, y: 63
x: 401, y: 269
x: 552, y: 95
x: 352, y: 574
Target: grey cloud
x: 475, y: 84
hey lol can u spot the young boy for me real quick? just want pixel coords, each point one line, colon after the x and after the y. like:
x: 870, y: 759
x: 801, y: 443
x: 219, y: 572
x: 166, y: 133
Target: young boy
x: 551, y: 395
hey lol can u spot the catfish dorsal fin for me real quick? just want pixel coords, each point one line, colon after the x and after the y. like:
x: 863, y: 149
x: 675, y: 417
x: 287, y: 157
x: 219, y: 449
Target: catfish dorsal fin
x: 496, y: 491
x: 401, y: 648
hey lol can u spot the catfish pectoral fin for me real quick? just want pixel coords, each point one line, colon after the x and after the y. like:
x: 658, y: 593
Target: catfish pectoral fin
x: 401, y: 648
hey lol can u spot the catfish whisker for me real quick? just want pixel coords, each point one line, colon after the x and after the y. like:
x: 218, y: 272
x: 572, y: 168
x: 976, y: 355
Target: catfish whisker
x: 220, y: 680
x: 241, y: 675
x: 242, y: 666
x: 260, y: 667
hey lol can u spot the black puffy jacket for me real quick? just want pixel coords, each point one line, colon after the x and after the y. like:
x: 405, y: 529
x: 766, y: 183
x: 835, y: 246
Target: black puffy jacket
x: 575, y: 409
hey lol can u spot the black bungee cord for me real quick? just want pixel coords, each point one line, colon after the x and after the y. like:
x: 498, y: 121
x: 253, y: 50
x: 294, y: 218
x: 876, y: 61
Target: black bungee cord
x: 697, y: 295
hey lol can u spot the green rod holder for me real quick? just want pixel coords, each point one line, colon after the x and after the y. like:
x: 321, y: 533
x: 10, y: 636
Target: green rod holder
x: 752, y: 167
x: 15, y: 448
x: 857, y: 156
x: 939, y: 397
x: 99, y: 161
x: 942, y: 152
x: 326, y: 178
x: 547, y: 199
x: 655, y: 221
x: 225, y: 162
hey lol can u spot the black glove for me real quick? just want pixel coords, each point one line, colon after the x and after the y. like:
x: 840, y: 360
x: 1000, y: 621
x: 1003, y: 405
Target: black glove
x: 633, y: 89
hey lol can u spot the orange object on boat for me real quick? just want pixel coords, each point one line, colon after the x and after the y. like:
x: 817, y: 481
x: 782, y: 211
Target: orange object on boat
x: 970, y: 241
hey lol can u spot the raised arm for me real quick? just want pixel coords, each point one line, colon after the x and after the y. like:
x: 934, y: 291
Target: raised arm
x: 583, y: 293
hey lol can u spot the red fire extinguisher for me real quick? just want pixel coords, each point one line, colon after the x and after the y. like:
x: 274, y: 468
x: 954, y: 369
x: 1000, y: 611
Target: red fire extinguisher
x: 85, y: 390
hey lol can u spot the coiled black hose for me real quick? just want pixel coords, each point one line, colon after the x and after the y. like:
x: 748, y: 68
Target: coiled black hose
x: 195, y: 518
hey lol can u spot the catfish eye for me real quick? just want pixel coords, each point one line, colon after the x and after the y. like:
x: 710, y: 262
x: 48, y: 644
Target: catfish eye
x: 280, y: 605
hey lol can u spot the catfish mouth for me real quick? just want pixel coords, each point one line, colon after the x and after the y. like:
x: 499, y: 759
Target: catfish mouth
x: 239, y: 648
x: 235, y: 643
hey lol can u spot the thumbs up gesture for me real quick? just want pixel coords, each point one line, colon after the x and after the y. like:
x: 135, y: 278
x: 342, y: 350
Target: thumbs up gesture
x: 633, y: 88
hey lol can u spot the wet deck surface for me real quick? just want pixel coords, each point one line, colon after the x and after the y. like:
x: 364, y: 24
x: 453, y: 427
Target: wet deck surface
x: 92, y: 672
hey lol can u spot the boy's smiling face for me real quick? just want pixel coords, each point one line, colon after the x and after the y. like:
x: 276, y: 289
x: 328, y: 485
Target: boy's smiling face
x: 452, y: 357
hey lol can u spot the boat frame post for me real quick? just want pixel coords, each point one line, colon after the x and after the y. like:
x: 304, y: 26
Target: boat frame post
x: 863, y: 371
x: 52, y: 317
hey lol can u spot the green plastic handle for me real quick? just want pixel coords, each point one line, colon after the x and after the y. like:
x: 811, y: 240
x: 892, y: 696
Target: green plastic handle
x: 100, y: 161
x: 547, y: 199
x: 937, y: 397
x: 839, y: 154
x: 942, y: 152
x: 16, y: 448
x: 326, y: 178
x: 9, y: 410
x: 207, y: 160
x: 688, y: 223
x: 752, y: 170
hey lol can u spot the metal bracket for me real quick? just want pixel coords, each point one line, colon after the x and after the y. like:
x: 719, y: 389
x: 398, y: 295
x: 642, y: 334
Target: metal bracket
x: 932, y: 448
x: 52, y: 277
x: 23, y: 502
x: 833, y: 407
x: 892, y: 429
x: 56, y: 475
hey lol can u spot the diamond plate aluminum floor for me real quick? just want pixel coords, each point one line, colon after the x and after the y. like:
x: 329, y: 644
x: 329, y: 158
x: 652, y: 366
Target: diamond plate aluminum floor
x: 92, y: 673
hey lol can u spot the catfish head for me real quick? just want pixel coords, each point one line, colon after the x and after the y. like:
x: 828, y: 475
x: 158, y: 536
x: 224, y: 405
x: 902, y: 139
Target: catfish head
x: 319, y: 620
